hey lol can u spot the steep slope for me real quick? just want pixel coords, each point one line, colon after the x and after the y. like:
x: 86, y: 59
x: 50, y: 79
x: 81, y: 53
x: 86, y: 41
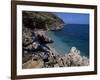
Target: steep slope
x: 41, y: 20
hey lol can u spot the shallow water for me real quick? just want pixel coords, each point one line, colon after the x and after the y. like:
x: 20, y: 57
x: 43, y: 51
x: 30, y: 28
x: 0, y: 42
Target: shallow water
x: 71, y: 35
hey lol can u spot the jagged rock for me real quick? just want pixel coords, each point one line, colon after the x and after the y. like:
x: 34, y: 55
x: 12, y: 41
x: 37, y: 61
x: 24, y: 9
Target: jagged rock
x: 75, y: 59
x: 60, y: 61
x: 43, y: 40
x: 35, y: 57
x: 50, y: 60
x: 35, y: 43
x: 74, y: 50
x: 34, y: 25
x: 26, y: 36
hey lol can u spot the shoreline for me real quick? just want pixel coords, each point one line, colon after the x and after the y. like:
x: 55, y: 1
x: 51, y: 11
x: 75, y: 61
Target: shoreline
x: 36, y: 52
x: 50, y: 58
x: 67, y: 38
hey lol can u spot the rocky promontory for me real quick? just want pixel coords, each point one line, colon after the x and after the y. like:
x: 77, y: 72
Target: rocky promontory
x: 41, y: 20
x: 36, y: 51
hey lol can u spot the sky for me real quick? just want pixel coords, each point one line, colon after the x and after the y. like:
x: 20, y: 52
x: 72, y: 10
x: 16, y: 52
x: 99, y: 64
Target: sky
x: 73, y: 18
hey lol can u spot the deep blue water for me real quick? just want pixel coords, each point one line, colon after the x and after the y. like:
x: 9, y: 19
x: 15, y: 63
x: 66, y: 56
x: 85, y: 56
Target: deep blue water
x: 71, y: 35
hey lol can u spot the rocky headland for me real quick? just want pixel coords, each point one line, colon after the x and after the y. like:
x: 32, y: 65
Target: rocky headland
x: 36, y: 51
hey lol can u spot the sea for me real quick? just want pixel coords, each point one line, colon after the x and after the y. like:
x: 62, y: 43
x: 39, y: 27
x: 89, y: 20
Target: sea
x: 71, y: 35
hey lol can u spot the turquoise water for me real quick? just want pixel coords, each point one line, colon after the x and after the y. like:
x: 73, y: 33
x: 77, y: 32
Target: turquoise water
x: 71, y: 35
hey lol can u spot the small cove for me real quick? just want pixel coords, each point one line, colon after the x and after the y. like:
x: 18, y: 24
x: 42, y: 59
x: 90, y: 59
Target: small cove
x: 71, y: 35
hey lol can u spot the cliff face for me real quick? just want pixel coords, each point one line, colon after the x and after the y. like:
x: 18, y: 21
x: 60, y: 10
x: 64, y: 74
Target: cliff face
x: 41, y: 20
x: 34, y: 26
x: 35, y: 43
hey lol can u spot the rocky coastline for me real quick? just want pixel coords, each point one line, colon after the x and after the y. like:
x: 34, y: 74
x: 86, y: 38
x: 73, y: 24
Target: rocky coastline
x: 36, y: 51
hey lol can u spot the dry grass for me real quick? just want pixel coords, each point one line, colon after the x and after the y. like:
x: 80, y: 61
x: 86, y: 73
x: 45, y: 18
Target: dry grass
x: 33, y: 64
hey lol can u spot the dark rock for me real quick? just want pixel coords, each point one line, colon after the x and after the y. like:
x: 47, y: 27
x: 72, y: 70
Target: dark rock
x: 41, y: 20
x: 43, y: 40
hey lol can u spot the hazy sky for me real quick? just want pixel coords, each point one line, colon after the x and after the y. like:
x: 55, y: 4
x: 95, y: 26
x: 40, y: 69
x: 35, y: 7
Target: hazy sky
x: 74, y: 18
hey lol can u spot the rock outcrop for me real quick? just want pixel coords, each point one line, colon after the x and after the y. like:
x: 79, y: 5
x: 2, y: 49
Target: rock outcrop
x: 35, y: 43
x: 46, y: 60
x: 73, y: 58
x: 34, y: 26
